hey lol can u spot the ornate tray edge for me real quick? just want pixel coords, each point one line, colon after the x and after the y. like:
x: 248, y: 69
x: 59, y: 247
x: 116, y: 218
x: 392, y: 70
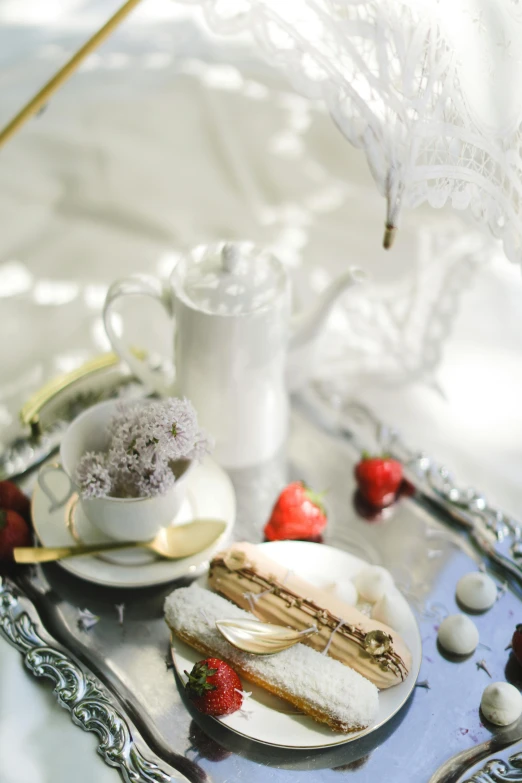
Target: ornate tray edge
x: 80, y: 693
x: 497, y: 770
x: 495, y: 534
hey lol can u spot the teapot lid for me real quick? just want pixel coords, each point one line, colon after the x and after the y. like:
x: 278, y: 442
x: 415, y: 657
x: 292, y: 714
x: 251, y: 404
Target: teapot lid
x: 233, y: 278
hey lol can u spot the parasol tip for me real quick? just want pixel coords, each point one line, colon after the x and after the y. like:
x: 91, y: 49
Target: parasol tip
x: 389, y: 236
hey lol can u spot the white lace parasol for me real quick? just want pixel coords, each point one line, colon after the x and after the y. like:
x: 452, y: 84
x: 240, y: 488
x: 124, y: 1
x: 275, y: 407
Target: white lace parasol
x: 430, y: 89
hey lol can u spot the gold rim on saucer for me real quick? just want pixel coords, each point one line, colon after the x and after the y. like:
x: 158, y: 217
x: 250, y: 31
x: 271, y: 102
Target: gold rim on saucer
x: 70, y: 510
x: 69, y: 513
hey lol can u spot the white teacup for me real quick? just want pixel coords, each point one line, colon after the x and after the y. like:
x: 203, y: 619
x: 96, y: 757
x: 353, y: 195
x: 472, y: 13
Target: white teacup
x: 123, y: 519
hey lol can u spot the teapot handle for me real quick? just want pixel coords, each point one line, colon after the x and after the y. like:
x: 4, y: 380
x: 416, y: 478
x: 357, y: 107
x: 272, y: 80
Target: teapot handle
x: 136, y: 285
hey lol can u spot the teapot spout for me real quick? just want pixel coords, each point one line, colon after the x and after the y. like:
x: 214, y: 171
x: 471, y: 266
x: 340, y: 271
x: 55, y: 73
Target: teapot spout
x: 306, y: 326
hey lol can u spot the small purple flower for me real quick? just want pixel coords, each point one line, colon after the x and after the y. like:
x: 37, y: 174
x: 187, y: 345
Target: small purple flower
x: 86, y: 619
x: 144, y: 441
x: 173, y: 424
x: 156, y: 482
x: 203, y: 445
x: 93, y: 476
x: 122, y: 426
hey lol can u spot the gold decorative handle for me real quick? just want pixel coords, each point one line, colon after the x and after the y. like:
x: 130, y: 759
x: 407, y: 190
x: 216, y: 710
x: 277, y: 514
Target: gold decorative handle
x: 46, y: 554
x: 30, y: 412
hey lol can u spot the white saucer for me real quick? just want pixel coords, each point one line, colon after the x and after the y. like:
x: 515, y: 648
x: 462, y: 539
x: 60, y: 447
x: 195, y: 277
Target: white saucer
x: 210, y: 494
x: 273, y: 721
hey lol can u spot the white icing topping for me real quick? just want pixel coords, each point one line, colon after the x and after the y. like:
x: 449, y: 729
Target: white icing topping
x: 477, y: 591
x: 458, y: 634
x: 501, y: 703
x: 372, y: 582
x: 300, y: 671
x: 393, y: 610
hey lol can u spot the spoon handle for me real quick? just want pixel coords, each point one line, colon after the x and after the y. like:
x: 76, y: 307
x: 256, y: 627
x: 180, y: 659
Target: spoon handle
x: 46, y: 554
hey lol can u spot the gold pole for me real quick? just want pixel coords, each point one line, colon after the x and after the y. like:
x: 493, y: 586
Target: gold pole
x: 41, y: 98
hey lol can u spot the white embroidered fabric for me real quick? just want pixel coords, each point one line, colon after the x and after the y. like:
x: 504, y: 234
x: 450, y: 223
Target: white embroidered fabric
x: 397, y: 333
x: 429, y: 89
x: 191, y: 151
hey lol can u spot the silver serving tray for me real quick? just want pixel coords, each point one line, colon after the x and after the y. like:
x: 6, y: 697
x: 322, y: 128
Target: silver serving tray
x: 116, y: 679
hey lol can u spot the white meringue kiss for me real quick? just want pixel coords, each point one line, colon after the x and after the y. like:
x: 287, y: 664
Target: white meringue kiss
x: 346, y: 591
x: 458, y: 634
x: 393, y: 610
x: 501, y: 703
x: 343, y: 589
x: 476, y: 591
x: 373, y: 582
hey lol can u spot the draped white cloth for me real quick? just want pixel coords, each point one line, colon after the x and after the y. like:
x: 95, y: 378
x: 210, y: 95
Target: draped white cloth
x: 148, y: 151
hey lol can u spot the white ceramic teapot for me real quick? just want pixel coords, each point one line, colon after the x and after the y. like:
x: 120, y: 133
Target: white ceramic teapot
x: 230, y: 304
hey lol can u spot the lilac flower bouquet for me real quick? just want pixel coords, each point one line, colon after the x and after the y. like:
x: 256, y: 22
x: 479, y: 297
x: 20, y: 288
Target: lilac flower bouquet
x: 145, y: 443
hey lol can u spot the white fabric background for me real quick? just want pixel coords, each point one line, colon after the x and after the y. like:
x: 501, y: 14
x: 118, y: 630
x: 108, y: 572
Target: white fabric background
x: 148, y: 151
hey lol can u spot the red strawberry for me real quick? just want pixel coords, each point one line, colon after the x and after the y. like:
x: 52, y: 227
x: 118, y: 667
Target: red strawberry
x: 214, y: 687
x: 14, y: 531
x: 516, y: 643
x: 379, y: 479
x: 297, y: 514
x: 14, y: 499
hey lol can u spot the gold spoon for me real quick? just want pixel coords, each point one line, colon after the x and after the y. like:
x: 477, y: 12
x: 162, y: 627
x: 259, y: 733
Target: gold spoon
x: 171, y: 543
x: 253, y: 636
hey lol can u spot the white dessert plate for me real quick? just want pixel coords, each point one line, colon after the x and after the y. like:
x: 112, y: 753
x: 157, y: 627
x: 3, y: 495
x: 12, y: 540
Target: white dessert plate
x: 210, y: 495
x: 272, y: 721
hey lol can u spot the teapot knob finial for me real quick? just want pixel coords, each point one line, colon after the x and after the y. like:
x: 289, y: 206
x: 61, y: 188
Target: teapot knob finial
x: 231, y: 257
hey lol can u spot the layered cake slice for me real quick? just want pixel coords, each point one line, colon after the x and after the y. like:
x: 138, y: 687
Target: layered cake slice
x: 250, y: 579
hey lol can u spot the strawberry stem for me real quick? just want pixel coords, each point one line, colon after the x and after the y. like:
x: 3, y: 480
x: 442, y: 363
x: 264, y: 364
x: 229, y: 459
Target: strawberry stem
x: 316, y: 497
x: 197, y: 683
